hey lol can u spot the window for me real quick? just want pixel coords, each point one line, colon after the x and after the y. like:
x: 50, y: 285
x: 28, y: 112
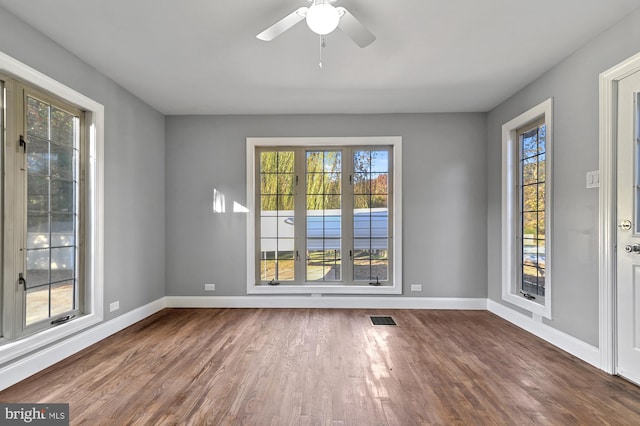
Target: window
x: 54, y: 154
x: 51, y: 187
x: 323, y: 215
x: 526, y: 212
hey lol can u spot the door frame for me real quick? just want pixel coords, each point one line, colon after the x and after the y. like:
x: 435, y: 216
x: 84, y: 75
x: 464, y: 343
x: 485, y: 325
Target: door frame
x: 608, y: 210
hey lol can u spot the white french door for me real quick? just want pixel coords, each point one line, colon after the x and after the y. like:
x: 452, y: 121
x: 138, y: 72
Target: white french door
x: 628, y: 233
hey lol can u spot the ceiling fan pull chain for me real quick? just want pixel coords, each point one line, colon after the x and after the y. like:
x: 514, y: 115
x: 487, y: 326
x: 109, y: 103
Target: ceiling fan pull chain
x: 322, y: 45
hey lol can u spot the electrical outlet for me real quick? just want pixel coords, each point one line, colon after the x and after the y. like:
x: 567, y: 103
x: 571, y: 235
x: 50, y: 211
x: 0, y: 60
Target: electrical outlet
x: 114, y: 306
x: 416, y: 287
x: 210, y: 287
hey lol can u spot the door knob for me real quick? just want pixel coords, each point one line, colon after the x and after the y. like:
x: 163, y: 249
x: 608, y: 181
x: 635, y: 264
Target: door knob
x: 625, y: 225
x: 635, y: 248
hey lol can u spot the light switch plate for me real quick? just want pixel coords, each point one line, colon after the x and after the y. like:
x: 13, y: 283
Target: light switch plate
x: 593, y: 179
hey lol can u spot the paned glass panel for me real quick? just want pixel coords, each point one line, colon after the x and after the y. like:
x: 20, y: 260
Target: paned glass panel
x: 532, y: 208
x: 332, y: 183
x: 379, y: 202
x: 530, y: 198
x: 542, y: 164
x: 62, y: 297
x: 380, y: 183
x: 315, y: 202
x: 62, y: 195
x: 361, y: 183
x: 37, y: 118
x: 362, y: 225
x: 370, y: 215
x: 52, y: 165
x: 285, y: 263
x: 37, y: 304
x: 541, y: 196
x: 277, y: 185
x: 38, y: 156
x: 38, y: 193
x: 62, y: 127
x: 62, y: 263
x: 63, y: 230
x: 285, y: 162
x: 266, y: 187
x: 542, y: 139
x: 323, y: 264
x: 332, y: 202
x: 530, y: 143
x: 286, y: 183
x: 530, y: 170
x: 267, y: 269
x: 285, y: 205
x: 37, y: 230
x: 362, y: 201
x: 268, y: 226
x: 62, y: 164
x: 530, y: 225
x: 37, y: 267
x: 268, y: 203
x: 323, y: 228
x: 268, y: 162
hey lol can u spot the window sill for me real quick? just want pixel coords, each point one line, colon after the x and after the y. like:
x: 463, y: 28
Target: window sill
x: 313, y: 288
x: 529, y: 305
x: 10, y: 350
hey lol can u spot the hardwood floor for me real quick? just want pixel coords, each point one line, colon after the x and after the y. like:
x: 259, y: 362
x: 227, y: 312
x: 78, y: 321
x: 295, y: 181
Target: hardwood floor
x: 328, y: 367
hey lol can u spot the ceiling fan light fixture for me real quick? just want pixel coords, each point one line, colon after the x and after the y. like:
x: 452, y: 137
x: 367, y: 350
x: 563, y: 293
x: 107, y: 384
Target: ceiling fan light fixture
x: 322, y: 17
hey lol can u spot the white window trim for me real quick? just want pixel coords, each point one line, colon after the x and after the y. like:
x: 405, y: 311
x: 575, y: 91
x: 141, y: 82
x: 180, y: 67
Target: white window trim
x: 396, y: 143
x: 510, y: 258
x: 94, y: 256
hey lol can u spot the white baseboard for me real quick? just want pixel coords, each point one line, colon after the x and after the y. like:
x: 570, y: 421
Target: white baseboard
x: 24, y: 367
x: 341, y: 302
x: 566, y: 342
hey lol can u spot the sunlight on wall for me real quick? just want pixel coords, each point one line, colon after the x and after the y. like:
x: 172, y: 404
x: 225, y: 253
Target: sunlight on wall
x: 220, y: 204
x: 239, y: 208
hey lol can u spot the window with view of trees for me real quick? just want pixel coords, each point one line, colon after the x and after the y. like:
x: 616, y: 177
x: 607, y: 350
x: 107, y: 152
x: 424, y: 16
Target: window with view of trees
x: 53, y: 159
x: 323, y: 215
x: 52, y: 219
x: 526, y: 209
x: 532, y: 207
x: 51, y: 188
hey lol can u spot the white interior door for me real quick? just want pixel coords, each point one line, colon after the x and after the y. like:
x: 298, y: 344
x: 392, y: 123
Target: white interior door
x: 628, y: 235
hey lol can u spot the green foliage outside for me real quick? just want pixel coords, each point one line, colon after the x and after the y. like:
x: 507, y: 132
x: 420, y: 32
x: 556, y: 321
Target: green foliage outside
x: 533, y: 182
x: 323, y: 180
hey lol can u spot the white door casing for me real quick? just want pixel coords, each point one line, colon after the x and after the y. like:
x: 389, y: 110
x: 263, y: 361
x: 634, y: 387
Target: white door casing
x: 628, y: 233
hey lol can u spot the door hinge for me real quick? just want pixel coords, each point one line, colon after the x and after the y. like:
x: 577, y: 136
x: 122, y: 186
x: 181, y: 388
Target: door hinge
x: 23, y: 143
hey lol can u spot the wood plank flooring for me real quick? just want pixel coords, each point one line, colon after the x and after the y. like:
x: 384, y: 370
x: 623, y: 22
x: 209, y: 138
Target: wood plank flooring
x: 328, y: 367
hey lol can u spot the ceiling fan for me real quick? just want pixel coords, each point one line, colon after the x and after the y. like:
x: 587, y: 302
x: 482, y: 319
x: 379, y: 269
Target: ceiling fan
x: 322, y: 18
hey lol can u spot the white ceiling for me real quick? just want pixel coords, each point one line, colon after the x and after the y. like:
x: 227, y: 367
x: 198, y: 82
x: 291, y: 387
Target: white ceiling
x: 202, y: 56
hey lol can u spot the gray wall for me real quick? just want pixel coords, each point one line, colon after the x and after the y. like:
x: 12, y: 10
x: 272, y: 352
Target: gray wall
x: 574, y: 86
x: 134, y: 167
x: 444, y: 196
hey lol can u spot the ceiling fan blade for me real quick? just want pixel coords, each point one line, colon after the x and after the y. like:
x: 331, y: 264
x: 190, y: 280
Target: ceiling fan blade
x: 283, y: 25
x: 354, y: 29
